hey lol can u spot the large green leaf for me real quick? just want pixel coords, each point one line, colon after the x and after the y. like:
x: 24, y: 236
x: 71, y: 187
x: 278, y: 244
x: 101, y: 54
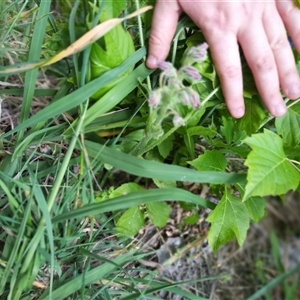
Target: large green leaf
x: 211, y: 160
x: 288, y: 126
x: 270, y: 172
x: 230, y: 218
x: 153, y: 169
x: 118, y: 46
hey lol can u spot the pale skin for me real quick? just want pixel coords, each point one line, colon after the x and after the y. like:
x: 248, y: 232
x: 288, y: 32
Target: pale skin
x: 258, y: 26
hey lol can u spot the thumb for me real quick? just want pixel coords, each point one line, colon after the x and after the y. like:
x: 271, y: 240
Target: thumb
x: 164, y: 23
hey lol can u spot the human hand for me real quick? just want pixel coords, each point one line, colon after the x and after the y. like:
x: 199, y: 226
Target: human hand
x: 258, y: 26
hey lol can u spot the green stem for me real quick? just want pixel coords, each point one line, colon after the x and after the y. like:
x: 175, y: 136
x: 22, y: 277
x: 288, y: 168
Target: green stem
x: 141, y: 33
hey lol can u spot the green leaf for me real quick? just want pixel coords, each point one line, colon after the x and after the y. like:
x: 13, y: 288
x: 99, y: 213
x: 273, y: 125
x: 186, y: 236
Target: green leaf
x: 288, y: 126
x: 131, y: 221
x: 166, y: 146
x: 210, y: 161
x: 254, y: 115
x: 111, y: 9
x: 192, y: 219
x: 228, y: 128
x: 270, y: 172
x: 164, y: 183
x: 118, y: 47
x: 158, y: 213
x: 255, y: 205
x: 230, y: 218
x: 125, y: 189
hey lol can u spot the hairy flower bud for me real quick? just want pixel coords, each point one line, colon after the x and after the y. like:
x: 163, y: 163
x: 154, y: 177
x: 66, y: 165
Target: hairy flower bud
x: 167, y: 68
x: 190, y: 72
x: 154, y: 98
x: 198, y: 53
x: 194, y: 99
x: 178, y: 121
x: 184, y: 97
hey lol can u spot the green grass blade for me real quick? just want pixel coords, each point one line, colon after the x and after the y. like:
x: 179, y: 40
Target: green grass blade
x: 136, y: 198
x: 89, y: 277
x: 274, y: 282
x: 152, y: 169
x: 34, y: 53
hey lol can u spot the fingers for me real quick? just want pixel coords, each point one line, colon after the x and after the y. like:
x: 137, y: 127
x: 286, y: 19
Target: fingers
x: 261, y: 60
x: 284, y: 58
x: 164, y: 22
x: 225, y: 53
x: 290, y: 15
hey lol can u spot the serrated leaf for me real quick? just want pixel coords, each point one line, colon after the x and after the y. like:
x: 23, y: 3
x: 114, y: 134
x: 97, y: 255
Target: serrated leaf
x: 270, y: 172
x: 211, y: 160
x: 230, y: 218
x: 158, y: 213
x: 255, y: 205
x: 254, y: 115
x: 288, y: 126
x: 131, y: 221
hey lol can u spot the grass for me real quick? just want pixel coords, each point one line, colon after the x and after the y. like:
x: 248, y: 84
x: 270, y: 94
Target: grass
x: 58, y: 237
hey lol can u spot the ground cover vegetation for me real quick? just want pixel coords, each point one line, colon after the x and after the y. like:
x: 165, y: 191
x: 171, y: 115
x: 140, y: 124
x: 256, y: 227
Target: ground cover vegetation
x: 80, y: 112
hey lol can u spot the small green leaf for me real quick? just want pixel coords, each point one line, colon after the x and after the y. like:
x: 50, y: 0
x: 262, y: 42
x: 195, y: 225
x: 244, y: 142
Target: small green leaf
x: 288, y: 126
x: 158, y: 213
x: 230, y: 218
x: 270, y: 172
x: 210, y: 161
x: 253, y: 117
x: 131, y: 221
x: 125, y: 189
x: 228, y: 129
x: 192, y: 219
x: 165, y: 147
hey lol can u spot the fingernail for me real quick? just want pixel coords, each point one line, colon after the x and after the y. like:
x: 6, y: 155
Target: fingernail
x: 152, y: 61
x: 294, y: 90
x: 239, y: 112
x: 280, y: 110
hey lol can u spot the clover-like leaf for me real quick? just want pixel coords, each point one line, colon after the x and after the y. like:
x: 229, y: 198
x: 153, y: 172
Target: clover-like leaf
x: 230, y: 218
x: 270, y: 172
